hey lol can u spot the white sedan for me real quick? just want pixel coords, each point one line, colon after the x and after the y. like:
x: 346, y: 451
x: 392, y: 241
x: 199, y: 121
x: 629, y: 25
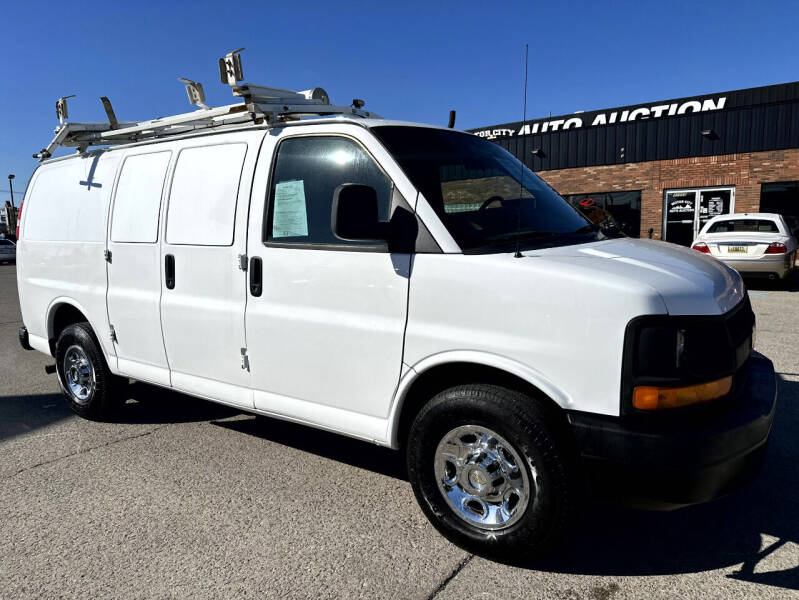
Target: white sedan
x: 752, y: 243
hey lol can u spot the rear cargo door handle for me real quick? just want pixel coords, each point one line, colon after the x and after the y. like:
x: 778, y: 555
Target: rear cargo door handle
x: 169, y: 271
x: 256, y: 276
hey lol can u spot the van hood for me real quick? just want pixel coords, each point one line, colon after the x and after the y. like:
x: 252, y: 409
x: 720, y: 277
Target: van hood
x: 689, y: 283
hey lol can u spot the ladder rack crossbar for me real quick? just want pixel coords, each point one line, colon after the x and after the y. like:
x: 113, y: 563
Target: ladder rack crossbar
x: 260, y: 104
x: 156, y: 124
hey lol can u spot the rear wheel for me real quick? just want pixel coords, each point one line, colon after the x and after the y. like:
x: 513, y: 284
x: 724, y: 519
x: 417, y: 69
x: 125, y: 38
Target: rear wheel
x: 86, y: 381
x: 492, y: 471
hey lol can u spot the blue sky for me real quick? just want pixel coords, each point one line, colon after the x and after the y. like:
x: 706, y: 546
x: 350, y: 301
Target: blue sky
x: 409, y: 60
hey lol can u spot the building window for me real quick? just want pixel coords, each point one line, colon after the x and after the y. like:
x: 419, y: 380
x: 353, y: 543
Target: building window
x: 781, y: 198
x: 619, y: 210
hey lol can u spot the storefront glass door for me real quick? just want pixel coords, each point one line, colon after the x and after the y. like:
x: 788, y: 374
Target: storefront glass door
x: 680, y: 215
x: 686, y: 211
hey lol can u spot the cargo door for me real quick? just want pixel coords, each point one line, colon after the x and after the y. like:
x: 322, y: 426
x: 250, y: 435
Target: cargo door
x: 203, y: 285
x: 134, y: 268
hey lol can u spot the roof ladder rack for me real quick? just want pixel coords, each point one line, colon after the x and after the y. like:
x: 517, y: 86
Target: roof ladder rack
x: 261, y: 105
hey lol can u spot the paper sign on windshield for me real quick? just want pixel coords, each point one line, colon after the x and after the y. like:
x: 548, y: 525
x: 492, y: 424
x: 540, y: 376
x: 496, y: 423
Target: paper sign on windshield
x: 289, y: 218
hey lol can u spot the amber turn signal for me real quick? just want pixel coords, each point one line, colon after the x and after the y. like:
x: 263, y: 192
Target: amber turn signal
x: 658, y: 398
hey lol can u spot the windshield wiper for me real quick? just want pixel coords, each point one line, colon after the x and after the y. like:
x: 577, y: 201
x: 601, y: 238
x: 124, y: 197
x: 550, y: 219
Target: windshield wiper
x: 515, y: 235
x: 508, y: 239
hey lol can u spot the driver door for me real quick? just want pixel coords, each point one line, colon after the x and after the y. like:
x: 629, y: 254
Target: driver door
x: 325, y: 329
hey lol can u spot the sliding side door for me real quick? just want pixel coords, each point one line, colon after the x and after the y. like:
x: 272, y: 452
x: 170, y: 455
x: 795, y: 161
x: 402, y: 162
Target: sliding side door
x: 204, y: 288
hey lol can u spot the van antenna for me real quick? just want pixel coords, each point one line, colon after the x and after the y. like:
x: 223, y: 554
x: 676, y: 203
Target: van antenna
x: 518, y: 253
x: 451, y: 123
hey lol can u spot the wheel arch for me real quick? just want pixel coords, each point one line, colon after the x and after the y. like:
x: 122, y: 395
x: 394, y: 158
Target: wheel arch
x: 438, y: 372
x: 62, y: 312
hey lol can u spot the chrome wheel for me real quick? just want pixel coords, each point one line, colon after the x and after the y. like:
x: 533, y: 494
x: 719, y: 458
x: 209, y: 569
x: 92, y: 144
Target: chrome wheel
x: 482, y: 477
x: 78, y: 375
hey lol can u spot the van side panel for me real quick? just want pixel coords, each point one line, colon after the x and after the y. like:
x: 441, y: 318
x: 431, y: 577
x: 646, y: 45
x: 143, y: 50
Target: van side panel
x: 60, y: 255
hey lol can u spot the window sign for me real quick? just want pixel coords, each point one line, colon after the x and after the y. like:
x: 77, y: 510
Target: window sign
x: 715, y: 206
x: 680, y: 205
x: 290, y: 217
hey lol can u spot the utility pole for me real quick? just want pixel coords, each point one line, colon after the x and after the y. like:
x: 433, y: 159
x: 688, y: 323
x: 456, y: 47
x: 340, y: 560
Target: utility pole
x: 11, y: 188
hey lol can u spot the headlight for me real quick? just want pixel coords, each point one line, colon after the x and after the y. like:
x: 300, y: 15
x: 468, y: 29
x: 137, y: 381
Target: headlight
x: 680, y: 349
x: 673, y: 361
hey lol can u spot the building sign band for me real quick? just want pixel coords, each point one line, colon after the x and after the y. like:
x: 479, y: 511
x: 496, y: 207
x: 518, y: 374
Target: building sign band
x: 605, y: 118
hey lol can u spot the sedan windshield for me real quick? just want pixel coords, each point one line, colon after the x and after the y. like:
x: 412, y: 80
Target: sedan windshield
x: 487, y: 199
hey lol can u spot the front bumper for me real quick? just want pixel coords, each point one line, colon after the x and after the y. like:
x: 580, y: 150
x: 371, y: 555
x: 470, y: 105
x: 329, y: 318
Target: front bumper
x: 668, y: 461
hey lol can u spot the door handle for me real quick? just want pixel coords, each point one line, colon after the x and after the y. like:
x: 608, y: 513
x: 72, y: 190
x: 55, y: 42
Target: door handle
x: 169, y: 271
x: 256, y: 276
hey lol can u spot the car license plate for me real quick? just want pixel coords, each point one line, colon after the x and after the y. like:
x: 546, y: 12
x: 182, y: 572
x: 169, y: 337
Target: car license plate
x: 736, y: 249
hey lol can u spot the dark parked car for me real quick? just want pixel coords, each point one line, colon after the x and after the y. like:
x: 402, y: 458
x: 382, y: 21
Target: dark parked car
x: 8, y: 251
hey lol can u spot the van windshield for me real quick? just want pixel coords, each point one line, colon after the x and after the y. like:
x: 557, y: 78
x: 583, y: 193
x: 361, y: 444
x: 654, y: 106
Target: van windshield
x: 486, y: 198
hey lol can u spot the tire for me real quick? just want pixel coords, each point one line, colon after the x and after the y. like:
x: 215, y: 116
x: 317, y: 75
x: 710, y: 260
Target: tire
x: 91, y: 390
x: 498, y: 528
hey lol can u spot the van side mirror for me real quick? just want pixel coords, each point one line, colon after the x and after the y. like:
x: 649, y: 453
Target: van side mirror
x: 354, y: 215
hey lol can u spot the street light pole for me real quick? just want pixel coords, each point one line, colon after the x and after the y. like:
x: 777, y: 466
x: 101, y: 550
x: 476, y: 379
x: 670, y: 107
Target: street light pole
x: 11, y: 188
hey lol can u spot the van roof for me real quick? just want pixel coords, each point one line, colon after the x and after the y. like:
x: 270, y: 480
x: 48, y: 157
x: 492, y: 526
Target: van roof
x: 367, y: 123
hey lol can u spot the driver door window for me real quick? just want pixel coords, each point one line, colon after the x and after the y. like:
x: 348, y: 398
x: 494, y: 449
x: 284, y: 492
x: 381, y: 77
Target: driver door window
x: 307, y: 172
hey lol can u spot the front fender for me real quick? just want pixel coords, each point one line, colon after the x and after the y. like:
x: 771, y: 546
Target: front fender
x: 486, y: 359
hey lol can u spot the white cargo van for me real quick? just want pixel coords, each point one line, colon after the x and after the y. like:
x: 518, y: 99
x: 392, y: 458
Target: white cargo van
x: 412, y: 286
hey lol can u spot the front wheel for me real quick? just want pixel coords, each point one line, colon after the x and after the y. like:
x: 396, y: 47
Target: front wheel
x: 86, y: 381
x: 492, y: 471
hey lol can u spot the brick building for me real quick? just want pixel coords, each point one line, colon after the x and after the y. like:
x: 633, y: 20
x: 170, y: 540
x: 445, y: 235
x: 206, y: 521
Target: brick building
x: 662, y: 169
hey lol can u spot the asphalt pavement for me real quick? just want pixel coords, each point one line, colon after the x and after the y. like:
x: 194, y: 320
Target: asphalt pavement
x: 182, y: 498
